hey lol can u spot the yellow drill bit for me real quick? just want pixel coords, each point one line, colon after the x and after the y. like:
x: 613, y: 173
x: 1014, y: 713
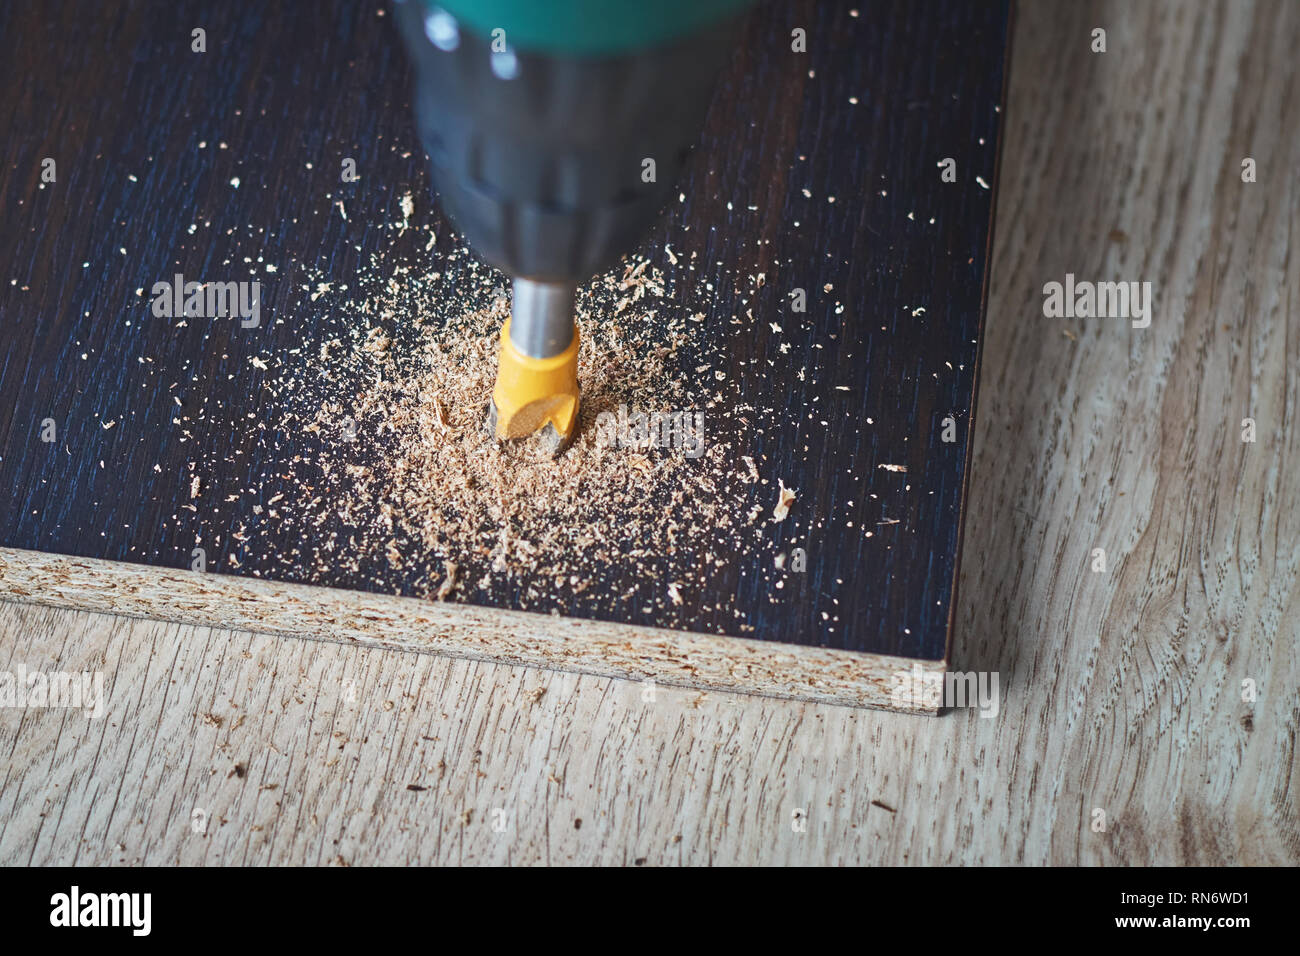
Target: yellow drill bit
x: 537, y: 369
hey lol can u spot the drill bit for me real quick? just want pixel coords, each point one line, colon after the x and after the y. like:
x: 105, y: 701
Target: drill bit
x: 537, y: 371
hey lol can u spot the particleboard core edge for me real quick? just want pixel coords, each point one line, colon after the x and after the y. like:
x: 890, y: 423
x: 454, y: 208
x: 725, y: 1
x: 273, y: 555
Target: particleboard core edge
x: 680, y: 658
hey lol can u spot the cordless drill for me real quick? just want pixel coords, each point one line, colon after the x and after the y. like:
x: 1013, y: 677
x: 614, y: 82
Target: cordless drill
x: 555, y: 131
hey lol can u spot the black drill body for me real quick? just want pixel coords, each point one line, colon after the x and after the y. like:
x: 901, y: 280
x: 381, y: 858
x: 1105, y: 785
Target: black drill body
x: 545, y: 173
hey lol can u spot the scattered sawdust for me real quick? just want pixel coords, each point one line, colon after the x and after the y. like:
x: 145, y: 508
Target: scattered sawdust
x: 397, y: 481
x: 445, y: 483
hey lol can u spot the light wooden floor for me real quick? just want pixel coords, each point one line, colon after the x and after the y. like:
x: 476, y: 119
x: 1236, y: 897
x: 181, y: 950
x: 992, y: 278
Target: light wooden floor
x: 1121, y: 690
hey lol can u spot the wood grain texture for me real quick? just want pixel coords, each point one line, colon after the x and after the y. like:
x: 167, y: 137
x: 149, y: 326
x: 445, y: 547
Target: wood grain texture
x: 1121, y: 690
x: 816, y: 170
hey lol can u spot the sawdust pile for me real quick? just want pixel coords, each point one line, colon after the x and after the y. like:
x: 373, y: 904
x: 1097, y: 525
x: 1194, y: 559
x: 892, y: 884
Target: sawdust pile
x: 399, y: 481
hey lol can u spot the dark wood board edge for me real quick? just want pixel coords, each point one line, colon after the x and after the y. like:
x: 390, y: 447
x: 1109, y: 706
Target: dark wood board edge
x: 979, y: 348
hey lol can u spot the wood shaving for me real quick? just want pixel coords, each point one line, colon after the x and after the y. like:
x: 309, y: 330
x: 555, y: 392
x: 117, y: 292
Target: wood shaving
x: 785, y: 498
x: 448, y: 584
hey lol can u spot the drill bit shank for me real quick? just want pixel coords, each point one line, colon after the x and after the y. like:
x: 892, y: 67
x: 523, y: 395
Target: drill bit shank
x: 541, y: 317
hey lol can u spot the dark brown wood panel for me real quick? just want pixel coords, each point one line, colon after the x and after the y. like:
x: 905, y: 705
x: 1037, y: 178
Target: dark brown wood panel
x: 116, y: 97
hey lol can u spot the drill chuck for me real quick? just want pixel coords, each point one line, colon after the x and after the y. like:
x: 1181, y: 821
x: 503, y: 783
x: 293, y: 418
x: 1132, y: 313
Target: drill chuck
x: 553, y: 163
